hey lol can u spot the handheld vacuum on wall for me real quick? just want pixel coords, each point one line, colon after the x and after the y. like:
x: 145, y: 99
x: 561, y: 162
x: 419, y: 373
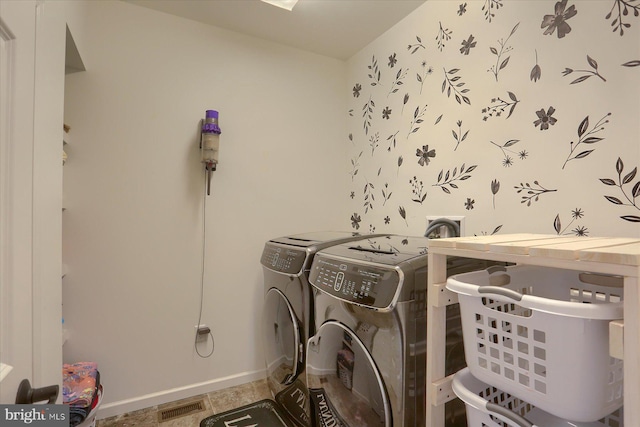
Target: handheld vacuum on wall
x: 210, y: 143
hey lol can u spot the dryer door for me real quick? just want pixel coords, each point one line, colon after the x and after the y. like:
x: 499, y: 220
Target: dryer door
x: 282, y: 339
x: 344, y: 382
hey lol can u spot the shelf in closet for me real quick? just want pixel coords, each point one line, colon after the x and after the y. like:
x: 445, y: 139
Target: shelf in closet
x: 613, y: 256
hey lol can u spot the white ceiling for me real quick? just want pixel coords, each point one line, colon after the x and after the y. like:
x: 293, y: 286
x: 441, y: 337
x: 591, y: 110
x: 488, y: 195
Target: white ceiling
x: 334, y: 28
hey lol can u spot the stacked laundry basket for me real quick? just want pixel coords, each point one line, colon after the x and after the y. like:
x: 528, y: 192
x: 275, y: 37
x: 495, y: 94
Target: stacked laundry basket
x: 537, y: 347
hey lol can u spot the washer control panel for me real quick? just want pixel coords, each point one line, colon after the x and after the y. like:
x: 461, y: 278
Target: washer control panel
x: 360, y: 284
x: 283, y: 259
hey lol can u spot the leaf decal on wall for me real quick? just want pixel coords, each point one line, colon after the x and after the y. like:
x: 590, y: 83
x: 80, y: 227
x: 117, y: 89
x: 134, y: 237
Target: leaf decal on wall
x: 449, y: 179
x: 373, y: 142
x: 504, y: 49
x: 622, y: 7
x: 386, y: 194
x: 634, y: 63
x: 367, y: 114
x: 392, y: 139
x: 532, y: 192
x: 489, y: 7
x: 498, y: 106
x: 355, y: 165
x: 630, y: 196
x: 374, y: 72
x: 400, y: 75
x: 403, y: 214
x: 585, y: 137
x: 417, y: 119
x: 459, y: 136
x: 588, y: 73
x: 444, y: 34
x: 413, y: 48
x: 369, y: 198
x: 451, y: 83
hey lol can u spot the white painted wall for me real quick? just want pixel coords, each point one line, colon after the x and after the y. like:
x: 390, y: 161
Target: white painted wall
x: 133, y: 189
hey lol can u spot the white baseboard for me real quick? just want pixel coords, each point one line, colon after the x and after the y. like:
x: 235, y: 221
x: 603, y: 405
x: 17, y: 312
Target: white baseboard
x: 171, y: 395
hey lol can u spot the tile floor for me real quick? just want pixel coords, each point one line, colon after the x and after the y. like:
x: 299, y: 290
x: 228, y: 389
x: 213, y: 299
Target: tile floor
x: 215, y: 402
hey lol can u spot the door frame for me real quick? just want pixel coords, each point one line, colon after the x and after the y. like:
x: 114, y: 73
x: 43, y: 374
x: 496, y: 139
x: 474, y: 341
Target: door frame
x: 31, y: 113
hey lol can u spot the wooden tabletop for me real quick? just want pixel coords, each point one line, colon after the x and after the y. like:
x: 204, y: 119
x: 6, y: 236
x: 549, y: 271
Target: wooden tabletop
x: 611, y: 250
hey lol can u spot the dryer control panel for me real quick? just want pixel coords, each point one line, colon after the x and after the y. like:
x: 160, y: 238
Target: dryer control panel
x: 283, y: 259
x: 360, y: 284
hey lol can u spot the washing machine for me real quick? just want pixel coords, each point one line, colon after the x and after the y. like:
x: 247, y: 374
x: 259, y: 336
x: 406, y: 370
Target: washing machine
x: 288, y: 320
x: 366, y: 363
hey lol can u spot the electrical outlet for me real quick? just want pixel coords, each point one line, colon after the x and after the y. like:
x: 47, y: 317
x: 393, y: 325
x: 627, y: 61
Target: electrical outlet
x: 202, y: 332
x: 444, y: 231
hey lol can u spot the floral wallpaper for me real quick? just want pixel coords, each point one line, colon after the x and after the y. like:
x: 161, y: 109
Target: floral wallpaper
x: 521, y: 116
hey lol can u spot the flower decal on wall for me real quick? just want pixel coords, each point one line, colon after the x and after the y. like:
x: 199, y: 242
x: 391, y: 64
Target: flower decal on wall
x: 536, y: 71
x: 355, y: 221
x: 558, y: 21
x: 424, y: 155
x: 356, y: 90
x: 508, y: 160
x: 467, y: 45
x: 417, y: 189
x: 495, y: 187
x: 383, y: 131
x: 469, y: 203
x: 575, y: 215
x: 392, y: 60
x: 545, y: 118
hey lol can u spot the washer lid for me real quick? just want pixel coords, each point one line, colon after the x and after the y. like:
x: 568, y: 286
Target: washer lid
x: 387, y: 250
x: 319, y: 239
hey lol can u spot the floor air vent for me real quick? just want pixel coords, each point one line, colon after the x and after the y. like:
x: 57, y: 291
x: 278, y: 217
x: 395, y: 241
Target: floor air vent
x: 180, y: 411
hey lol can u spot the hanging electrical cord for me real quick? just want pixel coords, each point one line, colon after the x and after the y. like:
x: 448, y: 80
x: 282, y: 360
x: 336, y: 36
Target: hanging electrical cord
x: 202, y: 271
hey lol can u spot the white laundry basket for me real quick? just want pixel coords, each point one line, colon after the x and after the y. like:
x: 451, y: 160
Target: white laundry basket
x: 542, y: 334
x: 488, y: 406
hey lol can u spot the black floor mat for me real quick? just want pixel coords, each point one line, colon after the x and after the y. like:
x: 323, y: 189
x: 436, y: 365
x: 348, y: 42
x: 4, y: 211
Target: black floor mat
x: 264, y: 413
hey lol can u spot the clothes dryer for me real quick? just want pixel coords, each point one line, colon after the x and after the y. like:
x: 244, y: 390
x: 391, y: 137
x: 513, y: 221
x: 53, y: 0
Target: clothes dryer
x: 366, y: 363
x: 288, y: 315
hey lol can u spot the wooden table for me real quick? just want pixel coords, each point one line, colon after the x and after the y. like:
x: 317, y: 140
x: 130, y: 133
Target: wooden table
x: 616, y: 256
